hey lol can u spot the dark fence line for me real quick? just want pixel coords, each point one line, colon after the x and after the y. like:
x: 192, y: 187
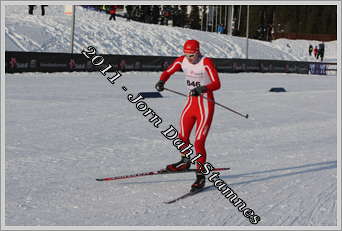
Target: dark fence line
x: 64, y: 62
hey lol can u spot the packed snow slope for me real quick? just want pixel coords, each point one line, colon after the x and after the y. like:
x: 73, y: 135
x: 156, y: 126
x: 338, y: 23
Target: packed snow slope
x: 52, y: 33
x: 64, y: 130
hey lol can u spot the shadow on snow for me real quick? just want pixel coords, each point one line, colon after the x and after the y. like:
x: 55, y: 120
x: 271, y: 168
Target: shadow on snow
x: 291, y: 171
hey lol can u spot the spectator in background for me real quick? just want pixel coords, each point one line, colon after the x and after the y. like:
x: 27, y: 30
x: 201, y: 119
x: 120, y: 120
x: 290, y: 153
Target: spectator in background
x: 220, y: 29
x: 315, y: 52
x: 310, y: 49
x: 176, y: 16
x: 321, y: 51
x: 112, y: 13
x: 155, y: 14
x: 269, y: 35
x: 129, y: 9
x: 31, y: 8
x: 166, y: 15
x: 147, y: 12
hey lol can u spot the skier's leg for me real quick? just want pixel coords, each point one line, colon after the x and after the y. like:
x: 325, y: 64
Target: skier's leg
x: 204, y: 119
x: 202, y: 128
x: 187, y: 122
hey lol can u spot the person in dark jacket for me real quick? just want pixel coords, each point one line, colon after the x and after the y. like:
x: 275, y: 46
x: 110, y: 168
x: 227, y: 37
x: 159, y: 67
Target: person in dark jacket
x: 166, y: 15
x: 155, y: 14
x: 112, y: 13
x: 310, y: 49
x: 129, y: 10
x: 321, y: 51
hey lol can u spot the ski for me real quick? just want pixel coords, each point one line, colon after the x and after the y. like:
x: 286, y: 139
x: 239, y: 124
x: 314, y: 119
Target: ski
x: 158, y: 172
x: 186, y: 195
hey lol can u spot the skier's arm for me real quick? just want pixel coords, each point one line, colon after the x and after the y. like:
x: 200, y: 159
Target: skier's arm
x: 212, y: 72
x: 175, y: 66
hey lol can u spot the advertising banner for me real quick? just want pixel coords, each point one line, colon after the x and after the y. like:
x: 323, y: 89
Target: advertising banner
x: 64, y: 62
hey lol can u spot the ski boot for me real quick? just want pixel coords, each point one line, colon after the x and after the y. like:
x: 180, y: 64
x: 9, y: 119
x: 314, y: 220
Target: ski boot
x: 181, y: 165
x: 199, y: 182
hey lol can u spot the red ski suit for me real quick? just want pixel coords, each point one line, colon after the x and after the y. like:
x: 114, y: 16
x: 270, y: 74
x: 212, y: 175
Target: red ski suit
x: 197, y: 109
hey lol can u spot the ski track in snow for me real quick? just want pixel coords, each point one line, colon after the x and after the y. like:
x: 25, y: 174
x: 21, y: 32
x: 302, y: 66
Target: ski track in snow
x: 64, y: 130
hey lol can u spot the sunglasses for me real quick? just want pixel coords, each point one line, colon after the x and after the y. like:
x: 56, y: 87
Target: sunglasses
x: 190, y: 55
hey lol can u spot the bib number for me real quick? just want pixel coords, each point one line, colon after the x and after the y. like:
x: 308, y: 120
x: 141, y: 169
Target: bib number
x: 193, y: 83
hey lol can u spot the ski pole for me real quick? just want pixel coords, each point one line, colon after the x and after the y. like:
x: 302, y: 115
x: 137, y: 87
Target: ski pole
x: 210, y: 100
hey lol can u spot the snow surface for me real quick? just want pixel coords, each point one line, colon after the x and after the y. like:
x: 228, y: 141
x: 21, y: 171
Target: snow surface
x: 63, y: 130
x: 52, y: 33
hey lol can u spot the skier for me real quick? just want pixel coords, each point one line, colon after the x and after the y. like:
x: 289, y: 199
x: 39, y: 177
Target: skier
x: 201, y: 79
